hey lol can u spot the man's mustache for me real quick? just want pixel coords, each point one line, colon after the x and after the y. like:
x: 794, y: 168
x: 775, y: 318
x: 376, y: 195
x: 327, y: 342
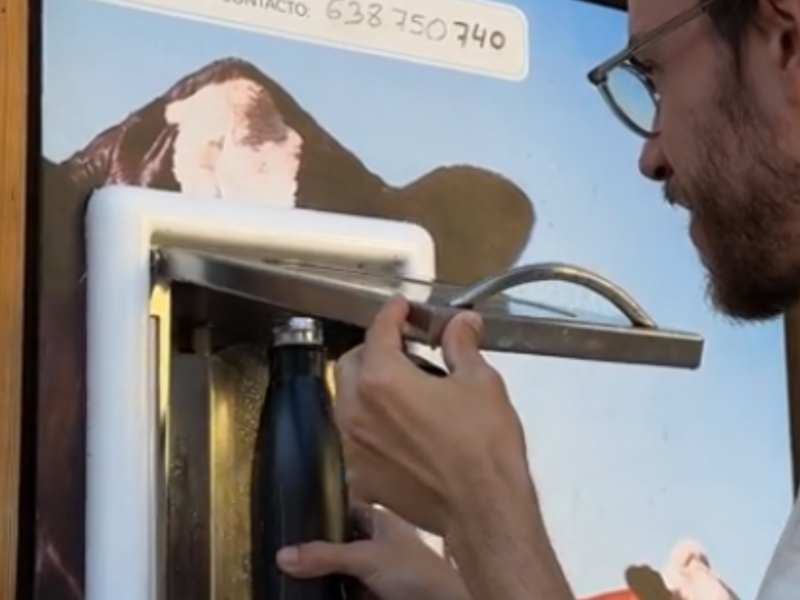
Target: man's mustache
x: 674, y: 195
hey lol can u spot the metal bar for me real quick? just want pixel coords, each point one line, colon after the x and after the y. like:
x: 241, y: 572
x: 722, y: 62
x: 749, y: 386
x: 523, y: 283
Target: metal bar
x: 355, y: 303
x: 566, y: 273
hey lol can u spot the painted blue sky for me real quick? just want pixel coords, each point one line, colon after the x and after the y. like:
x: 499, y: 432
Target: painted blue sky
x: 629, y: 459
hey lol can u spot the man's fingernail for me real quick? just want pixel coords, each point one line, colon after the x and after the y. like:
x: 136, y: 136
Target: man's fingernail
x: 289, y: 556
x: 475, y: 321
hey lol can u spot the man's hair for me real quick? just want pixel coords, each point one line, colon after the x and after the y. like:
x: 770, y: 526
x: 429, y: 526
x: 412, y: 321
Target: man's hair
x: 732, y: 19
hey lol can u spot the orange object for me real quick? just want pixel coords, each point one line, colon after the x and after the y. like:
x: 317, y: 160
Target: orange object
x: 615, y: 595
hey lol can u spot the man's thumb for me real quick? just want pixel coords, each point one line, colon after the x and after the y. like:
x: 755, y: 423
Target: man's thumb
x: 461, y: 341
x: 316, y: 559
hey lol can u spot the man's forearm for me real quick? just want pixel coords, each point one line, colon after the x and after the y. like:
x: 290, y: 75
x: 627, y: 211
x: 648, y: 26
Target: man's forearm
x: 499, y: 542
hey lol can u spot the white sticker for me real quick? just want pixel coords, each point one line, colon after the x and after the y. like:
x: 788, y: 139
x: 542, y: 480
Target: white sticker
x: 467, y: 35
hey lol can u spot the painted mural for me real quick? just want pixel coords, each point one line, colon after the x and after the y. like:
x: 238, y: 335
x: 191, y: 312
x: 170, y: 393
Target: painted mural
x: 474, y: 120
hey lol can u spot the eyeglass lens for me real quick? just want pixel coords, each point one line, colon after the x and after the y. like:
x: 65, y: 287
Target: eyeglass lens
x: 632, y: 96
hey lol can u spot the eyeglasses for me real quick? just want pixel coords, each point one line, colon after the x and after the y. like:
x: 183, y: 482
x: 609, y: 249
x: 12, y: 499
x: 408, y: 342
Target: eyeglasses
x: 625, y: 85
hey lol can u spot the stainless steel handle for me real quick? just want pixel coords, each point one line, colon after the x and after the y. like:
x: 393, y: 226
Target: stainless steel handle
x: 491, y: 286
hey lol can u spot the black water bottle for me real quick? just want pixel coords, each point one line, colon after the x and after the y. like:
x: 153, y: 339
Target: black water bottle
x: 299, y: 493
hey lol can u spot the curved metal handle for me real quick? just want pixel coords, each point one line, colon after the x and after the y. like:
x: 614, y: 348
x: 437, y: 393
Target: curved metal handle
x: 491, y: 286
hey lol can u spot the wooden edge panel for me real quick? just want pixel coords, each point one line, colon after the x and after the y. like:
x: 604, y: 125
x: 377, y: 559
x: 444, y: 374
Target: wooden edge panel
x: 13, y: 163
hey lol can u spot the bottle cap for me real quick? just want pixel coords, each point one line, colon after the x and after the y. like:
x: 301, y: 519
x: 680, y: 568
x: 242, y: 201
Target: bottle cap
x: 298, y: 330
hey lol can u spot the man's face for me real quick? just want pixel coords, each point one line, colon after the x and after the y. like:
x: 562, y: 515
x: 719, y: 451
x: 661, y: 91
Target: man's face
x: 728, y: 151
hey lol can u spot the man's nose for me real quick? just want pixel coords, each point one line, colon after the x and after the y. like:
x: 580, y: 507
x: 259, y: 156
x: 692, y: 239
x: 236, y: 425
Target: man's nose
x: 653, y: 163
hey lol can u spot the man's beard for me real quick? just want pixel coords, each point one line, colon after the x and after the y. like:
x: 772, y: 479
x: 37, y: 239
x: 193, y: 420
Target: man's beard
x: 743, y: 191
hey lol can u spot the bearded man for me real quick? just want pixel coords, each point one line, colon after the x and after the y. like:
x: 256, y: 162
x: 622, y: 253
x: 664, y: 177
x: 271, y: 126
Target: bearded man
x: 719, y: 115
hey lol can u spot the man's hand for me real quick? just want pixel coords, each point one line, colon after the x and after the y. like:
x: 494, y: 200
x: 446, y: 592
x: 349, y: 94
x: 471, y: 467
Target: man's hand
x: 394, y: 563
x: 420, y: 444
x: 448, y: 454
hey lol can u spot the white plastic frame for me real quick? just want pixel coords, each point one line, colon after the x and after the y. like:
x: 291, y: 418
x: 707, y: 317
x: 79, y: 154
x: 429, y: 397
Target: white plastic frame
x: 123, y: 225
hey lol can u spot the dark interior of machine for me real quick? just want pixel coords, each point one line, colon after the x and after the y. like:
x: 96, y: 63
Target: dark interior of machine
x: 224, y: 321
x: 220, y: 359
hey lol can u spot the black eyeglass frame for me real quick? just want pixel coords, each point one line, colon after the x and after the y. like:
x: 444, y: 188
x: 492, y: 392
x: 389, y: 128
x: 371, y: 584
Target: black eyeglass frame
x: 598, y: 76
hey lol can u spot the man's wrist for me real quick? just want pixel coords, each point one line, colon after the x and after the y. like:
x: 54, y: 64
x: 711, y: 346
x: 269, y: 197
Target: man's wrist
x: 486, y: 485
x: 498, y: 538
